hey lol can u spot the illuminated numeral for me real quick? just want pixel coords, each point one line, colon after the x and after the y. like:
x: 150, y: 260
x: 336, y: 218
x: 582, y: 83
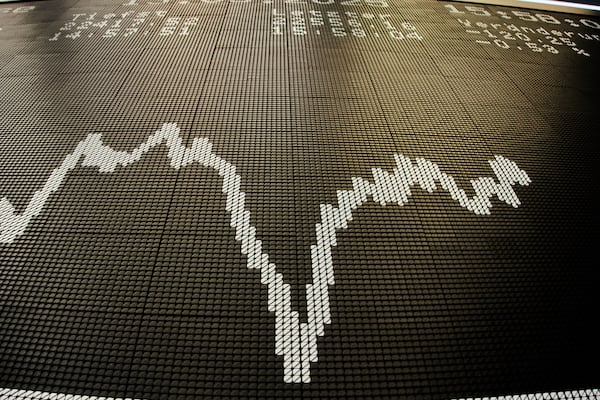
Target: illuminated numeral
x: 100, y: 24
x: 567, y: 41
x: 377, y: 3
x: 84, y: 25
x: 534, y: 47
x: 480, y: 11
x: 111, y: 32
x: 453, y: 9
x: 298, y: 24
x: 590, y: 24
x: 184, y: 30
x: 278, y: 22
x: 465, y: 22
x: 316, y: 21
x: 354, y: 23
x: 191, y: 21
x: 507, y: 35
x: 338, y: 31
x: 523, y: 37
x: 554, y: 40
x: 501, y: 43
x: 389, y: 25
x: 167, y: 31
x: 117, y: 23
x: 170, y: 26
x: 414, y: 35
x: 397, y: 35
x: 550, y: 49
x: 525, y: 16
x: 549, y: 19
x: 68, y: 26
x: 130, y: 31
x: 298, y: 30
x: 359, y: 33
x: 487, y: 32
x: 74, y: 35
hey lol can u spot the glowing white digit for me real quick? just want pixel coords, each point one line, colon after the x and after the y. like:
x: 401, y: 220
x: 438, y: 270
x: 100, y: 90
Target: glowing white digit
x: 590, y: 24
x: 453, y: 9
x: 525, y: 16
x: 396, y: 35
x: 549, y: 19
x: 534, y: 47
x: 377, y: 3
x: 480, y: 11
x: 501, y: 43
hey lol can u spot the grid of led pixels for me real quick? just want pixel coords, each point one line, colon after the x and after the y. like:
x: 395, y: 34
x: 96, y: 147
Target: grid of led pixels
x: 296, y: 199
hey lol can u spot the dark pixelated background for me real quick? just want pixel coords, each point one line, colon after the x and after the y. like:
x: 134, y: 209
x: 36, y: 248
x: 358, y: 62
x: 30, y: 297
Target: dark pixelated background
x: 131, y: 283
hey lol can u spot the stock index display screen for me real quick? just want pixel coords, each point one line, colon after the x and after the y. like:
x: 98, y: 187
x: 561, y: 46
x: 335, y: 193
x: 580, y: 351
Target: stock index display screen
x: 299, y: 199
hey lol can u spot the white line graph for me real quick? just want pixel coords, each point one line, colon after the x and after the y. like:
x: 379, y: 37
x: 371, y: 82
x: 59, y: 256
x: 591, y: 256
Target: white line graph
x: 587, y: 394
x: 296, y: 341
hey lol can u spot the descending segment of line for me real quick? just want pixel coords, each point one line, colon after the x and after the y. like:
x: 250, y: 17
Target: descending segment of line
x: 294, y: 340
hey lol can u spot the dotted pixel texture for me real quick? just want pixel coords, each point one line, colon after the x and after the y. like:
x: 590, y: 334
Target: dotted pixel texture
x: 303, y: 199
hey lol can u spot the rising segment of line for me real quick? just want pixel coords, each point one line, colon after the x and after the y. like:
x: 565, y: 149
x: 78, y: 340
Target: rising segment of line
x: 296, y: 341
